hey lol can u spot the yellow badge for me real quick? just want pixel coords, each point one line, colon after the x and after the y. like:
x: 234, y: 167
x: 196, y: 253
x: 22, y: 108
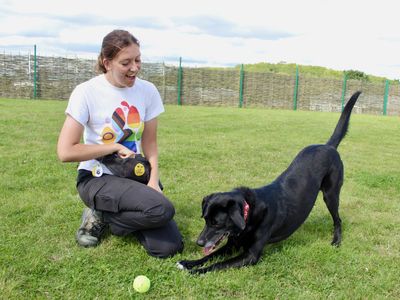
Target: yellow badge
x: 97, y: 170
x: 139, y: 169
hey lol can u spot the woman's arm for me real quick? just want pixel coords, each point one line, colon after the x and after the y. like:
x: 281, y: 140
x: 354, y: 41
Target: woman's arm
x: 150, y: 151
x: 70, y: 148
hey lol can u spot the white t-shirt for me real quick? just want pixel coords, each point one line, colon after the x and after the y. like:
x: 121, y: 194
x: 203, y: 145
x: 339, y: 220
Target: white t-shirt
x: 111, y: 114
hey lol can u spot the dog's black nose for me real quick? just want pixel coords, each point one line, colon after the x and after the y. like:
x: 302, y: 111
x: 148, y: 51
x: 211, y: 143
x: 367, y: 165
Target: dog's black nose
x: 201, y: 242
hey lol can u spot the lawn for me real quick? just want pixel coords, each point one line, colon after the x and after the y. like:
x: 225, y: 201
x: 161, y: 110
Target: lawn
x: 202, y: 150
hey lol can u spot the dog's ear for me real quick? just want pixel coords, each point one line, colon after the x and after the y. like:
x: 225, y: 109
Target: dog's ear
x: 247, y: 193
x: 236, y: 217
x: 215, y: 199
x: 205, y: 205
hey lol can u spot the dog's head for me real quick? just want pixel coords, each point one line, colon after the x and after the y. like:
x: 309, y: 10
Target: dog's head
x: 225, y: 215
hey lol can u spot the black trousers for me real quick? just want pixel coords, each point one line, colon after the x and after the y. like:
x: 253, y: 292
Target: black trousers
x: 131, y: 207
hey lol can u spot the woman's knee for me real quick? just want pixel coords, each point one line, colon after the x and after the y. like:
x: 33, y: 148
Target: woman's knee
x: 167, y: 250
x: 162, y: 242
x: 161, y: 213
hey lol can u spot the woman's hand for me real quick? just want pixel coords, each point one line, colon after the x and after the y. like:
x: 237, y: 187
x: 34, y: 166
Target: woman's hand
x: 155, y: 185
x: 149, y: 146
x: 124, y: 152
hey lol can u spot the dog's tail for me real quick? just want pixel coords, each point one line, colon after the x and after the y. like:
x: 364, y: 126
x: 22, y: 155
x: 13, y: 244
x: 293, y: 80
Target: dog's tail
x: 343, y: 124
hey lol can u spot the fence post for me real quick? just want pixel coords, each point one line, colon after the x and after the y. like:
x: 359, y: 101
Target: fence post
x: 164, y: 88
x: 344, y: 87
x: 180, y: 81
x: 241, y: 87
x: 385, y: 98
x: 34, y: 73
x: 296, y: 87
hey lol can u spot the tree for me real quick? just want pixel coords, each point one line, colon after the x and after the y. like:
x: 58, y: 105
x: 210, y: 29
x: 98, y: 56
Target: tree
x: 357, y: 75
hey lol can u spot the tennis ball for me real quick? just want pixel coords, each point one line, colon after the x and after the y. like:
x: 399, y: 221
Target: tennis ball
x: 141, y: 284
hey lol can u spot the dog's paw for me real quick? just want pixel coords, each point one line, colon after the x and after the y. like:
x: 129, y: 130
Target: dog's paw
x: 180, y: 266
x: 185, y: 265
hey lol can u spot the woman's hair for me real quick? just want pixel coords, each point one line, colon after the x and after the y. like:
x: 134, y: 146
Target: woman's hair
x: 114, y: 42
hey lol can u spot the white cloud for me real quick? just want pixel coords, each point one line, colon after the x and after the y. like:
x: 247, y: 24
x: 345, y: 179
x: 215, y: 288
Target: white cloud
x: 339, y: 34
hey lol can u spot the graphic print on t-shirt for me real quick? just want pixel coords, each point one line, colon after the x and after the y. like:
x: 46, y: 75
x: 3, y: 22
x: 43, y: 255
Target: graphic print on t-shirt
x: 124, y: 127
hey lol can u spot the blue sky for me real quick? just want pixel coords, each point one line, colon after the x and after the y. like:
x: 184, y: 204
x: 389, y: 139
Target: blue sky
x: 337, y: 34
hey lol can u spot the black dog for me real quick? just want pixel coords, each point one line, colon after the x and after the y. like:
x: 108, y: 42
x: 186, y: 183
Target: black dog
x: 253, y: 218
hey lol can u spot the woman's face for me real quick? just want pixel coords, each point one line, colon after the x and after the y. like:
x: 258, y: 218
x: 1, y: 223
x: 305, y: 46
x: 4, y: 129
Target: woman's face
x: 123, y: 68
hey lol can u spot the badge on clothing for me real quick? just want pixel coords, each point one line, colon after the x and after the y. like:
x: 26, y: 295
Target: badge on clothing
x: 137, y: 168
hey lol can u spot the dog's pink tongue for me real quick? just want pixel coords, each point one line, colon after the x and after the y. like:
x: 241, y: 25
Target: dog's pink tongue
x: 207, y: 250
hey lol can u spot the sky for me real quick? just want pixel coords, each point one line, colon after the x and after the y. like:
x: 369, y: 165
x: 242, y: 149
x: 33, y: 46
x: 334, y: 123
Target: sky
x: 337, y: 34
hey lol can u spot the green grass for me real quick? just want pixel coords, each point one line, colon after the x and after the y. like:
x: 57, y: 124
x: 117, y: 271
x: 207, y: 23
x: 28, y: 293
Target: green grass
x: 202, y: 150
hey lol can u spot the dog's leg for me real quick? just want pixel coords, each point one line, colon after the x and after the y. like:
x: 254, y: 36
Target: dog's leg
x: 190, y: 264
x: 243, y: 259
x: 331, y: 197
x: 332, y: 202
x: 250, y: 256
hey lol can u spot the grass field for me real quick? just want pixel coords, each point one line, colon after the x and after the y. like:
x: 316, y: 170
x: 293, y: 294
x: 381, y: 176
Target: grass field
x: 202, y: 150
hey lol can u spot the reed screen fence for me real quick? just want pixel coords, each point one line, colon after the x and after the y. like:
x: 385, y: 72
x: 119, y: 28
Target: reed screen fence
x: 56, y: 77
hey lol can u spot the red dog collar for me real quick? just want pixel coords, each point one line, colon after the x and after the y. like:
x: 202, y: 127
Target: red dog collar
x: 246, y: 208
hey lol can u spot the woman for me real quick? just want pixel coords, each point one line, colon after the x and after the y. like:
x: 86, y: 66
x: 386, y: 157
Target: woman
x: 116, y: 112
